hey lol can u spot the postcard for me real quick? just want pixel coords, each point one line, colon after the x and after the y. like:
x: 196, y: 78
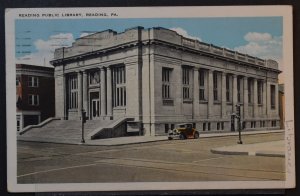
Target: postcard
x: 149, y: 98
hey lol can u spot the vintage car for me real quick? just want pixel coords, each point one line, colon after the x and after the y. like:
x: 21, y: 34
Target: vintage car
x: 183, y: 131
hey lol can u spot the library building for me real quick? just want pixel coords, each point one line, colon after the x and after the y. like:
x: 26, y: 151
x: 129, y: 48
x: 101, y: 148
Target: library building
x: 149, y: 80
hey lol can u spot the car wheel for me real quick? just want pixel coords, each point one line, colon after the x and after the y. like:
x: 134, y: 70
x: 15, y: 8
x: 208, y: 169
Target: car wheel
x: 170, y: 138
x: 181, y: 136
x: 196, y: 135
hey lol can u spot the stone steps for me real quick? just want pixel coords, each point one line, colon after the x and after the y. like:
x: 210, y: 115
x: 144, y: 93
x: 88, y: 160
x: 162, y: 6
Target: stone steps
x: 65, y: 129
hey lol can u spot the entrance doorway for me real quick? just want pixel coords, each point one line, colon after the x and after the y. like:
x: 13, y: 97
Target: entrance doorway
x: 95, y: 108
x: 94, y: 105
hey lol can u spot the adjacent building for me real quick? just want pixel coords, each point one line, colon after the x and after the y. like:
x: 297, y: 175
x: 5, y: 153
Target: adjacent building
x: 160, y: 78
x: 35, y: 94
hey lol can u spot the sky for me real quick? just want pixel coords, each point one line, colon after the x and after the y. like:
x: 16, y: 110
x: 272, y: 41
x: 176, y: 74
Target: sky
x: 36, y: 39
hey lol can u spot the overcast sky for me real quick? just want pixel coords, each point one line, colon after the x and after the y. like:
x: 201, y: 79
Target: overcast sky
x: 258, y: 36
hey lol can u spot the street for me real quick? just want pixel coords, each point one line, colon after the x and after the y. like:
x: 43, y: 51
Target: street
x: 176, y: 160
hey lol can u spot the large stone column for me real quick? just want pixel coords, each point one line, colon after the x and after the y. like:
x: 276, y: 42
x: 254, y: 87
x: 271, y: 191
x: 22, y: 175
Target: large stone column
x: 65, y: 89
x: 196, y: 93
x: 264, y: 94
x: 85, y: 92
x: 224, y: 101
x: 109, y: 92
x: 234, y: 92
x: 210, y: 94
x: 276, y: 101
x: 102, y: 92
x: 255, y: 107
x: 268, y: 101
x: 245, y: 82
x: 79, y: 76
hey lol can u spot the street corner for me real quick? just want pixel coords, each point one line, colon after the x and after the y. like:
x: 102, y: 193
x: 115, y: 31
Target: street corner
x: 268, y: 149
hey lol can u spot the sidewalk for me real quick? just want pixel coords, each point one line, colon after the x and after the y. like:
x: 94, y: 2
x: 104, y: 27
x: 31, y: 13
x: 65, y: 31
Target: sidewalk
x: 134, y: 139
x: 271, y: 149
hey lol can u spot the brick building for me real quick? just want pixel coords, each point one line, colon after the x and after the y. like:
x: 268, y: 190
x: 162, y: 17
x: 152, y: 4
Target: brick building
x: 159, y: 78
x: 35, y: 94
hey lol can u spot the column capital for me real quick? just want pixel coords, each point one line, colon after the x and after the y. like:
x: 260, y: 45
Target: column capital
x: 224, y: 73
x: 101, y: 68
x: 234, y: 75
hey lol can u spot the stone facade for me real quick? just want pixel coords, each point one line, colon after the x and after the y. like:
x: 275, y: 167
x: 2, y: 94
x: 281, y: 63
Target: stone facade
x: 161, y: 78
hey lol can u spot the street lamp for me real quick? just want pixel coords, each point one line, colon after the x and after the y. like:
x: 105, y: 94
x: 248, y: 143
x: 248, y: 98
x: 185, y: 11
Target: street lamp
x: 83, y: 120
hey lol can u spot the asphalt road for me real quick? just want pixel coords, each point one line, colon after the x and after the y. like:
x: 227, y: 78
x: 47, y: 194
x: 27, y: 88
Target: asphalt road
x: 176, y: 160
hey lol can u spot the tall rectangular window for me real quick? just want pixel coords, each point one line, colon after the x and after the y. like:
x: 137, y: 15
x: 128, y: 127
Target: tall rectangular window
x: 119, y: 86
x: 166, y: 75
x: 215, y: 86
x: 33, y: 100
x: 259, y: 92
x: 186, y: 88
x: 202, y: 85
x: 227, y: 88
x: 73, y: 92
x: 273, y: 97
x: 33, y: 81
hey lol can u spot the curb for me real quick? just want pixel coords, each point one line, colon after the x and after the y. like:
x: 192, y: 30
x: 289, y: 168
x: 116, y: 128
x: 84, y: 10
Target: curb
x: 42, y: 140
x: 86, y: 144
x: 259, y: 153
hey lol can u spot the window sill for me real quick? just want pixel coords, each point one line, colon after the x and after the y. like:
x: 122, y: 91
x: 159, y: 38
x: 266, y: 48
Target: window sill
x: 168, y: 102
x: 188, y: 101
x: 203, y: 101
x: 119, y: 108
x: 73, y: 110
x: 93, y: 85
x: 217, y: 102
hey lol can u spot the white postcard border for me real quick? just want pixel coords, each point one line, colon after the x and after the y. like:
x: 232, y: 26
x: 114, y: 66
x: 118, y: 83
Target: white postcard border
x: 152, y: 12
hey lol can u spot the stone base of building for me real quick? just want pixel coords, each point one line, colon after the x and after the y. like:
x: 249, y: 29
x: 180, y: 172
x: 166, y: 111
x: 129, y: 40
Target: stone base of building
x: 162, y: 128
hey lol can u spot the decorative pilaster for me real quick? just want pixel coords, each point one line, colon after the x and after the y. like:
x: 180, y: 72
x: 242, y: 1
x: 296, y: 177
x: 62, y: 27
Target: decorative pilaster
x: 85, y: 92
x: 109, y: 92
x: 276, y: 101
x: 255, y: 106
x: 224, y: 95
x: 210, y: 94
x: 196, y: 93
x: 268, y: 90
x: 234, y: 92
x: 102, y: 92
x: 264, y: 98
x: 79, y: 76
x: 65, y: 90
x: 245, y: 82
